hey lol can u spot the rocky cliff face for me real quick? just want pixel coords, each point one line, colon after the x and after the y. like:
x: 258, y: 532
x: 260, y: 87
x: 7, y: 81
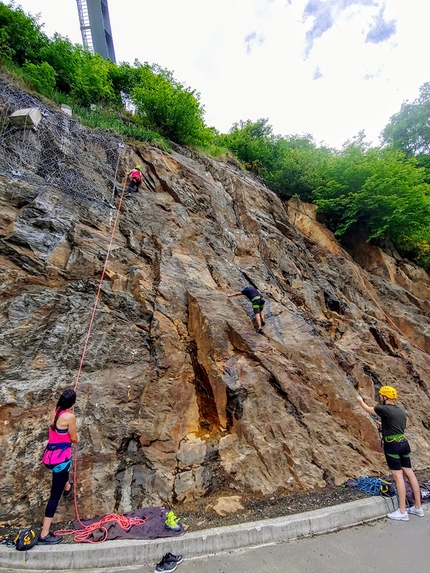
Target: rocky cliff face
x: 179, y: 396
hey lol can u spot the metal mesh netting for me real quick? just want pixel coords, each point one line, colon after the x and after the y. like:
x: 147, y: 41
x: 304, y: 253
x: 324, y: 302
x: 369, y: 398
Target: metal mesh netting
x: 81, y: 162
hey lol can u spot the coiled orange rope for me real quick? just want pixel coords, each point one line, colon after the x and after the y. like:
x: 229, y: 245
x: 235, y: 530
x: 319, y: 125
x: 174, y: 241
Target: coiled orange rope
x: 84, y: 535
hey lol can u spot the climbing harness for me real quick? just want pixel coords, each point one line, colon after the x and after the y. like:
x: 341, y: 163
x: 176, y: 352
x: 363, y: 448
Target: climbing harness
x: 394, y: 438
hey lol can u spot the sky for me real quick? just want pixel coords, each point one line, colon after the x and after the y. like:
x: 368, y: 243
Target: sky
x: 328, y: 68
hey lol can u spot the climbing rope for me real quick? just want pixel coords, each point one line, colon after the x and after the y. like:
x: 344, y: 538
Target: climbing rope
x: 124, y: 522
x: 371, y: 485
x: 84, y: 535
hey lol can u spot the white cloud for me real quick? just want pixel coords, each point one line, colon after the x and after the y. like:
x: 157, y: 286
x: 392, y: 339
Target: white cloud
x: 326, y: 67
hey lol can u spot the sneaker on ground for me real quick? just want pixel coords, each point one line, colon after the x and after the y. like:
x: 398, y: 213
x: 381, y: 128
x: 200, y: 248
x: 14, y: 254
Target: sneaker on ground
x: 398, y: 515
x: 165, y: 566
x: 414, y: 511
x: 49, y: 539
x: 174, y: 558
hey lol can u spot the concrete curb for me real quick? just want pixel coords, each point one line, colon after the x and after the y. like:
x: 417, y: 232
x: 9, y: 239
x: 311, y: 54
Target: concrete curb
x: 196, y: 543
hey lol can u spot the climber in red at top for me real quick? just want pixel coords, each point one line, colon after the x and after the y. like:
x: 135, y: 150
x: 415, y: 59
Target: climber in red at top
x: 135, y: 177
x: 258, y: 303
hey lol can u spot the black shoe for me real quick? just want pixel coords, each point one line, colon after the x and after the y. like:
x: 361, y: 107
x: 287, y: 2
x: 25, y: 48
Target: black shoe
x: 50, y: 539
x: 69, y: 493
x: 165, y: 566
x: 173, y: 558
x: 260, y: 330
x: 262, y: 323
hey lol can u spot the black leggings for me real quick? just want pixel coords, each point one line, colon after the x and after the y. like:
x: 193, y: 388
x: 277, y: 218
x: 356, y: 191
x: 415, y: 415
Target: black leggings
x: 59, y: 480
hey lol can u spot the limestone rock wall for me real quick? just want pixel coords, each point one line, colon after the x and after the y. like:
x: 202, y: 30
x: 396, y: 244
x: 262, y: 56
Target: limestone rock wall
x: 179, y: 396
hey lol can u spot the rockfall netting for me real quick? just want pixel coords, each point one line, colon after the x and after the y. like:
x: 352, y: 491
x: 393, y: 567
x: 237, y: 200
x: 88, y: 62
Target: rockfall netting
x: 49, y: 151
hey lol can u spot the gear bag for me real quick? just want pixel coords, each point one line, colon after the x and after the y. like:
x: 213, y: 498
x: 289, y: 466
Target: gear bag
x: 26, y: 539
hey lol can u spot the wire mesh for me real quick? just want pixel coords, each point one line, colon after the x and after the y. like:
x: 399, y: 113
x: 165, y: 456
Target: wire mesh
x: 81, y: 162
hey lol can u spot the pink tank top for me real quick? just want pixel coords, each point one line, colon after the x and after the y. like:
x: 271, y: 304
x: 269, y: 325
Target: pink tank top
x: 58, y: 436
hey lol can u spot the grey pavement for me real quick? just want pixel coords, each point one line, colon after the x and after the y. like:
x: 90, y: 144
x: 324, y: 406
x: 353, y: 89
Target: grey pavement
x: 295, y: 544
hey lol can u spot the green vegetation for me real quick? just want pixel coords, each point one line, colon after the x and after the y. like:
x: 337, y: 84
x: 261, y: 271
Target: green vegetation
x: 383, y: 190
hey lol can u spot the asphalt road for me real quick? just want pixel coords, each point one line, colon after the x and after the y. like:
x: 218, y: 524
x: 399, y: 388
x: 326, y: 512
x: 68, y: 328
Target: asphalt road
x: 383, y: 546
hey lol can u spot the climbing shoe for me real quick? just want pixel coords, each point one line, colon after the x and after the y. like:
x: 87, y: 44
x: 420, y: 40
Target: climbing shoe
x: 69, y: 493
x: 165, y: 566
x: 398, y: 515
x: 172, y: 522
x: 414, y: 511
x: 260, y: 330
x: 173, y: 558
x: 263, y: 323
x: 49, y: 539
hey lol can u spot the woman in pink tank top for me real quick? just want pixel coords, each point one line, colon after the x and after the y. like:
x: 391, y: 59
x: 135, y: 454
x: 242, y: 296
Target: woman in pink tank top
x: 57, y: 457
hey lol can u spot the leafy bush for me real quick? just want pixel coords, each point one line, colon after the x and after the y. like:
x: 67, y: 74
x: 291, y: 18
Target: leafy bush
x: 380, y: 189
x: 61, y: 55
x: 167, y: 106
x: 41, y: 76
x: 111, y: 120
x: 21, y: 38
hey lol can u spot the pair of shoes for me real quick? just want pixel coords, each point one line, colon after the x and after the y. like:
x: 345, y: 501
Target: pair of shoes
x: 168, y: 563
x: 260, y: 330
x: 414, y: 511
x: 68, y: 494
x: 49, y: 539
x: 398, y: 515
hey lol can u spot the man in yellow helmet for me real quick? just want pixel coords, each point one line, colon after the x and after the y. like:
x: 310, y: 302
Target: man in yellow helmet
x: 396, y: 450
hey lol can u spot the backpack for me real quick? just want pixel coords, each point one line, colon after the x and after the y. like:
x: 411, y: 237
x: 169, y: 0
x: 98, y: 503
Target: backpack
x: 26, y: 539
x: 136, y: 175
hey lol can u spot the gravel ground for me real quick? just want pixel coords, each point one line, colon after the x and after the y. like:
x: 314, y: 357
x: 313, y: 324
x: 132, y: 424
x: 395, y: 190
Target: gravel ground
x: 199, y: 515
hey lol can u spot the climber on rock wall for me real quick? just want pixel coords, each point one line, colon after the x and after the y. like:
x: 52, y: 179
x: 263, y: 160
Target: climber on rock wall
x: 258, y: 303
x: 135, y: 178
x: 396, y: 450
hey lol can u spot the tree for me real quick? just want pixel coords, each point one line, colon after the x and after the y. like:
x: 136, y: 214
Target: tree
x: 288, y: 165
x: 382, y: 191
x: 252, y: 143
x: 169, y: 107
x: 91, y: 81
x: 21, y: 36
x: 61, y: 54
x: 409, y: 130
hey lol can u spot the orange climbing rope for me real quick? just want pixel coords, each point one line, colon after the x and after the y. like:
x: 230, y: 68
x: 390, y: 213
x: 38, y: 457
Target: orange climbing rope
x: 96, y: 301
x: 82, y: 535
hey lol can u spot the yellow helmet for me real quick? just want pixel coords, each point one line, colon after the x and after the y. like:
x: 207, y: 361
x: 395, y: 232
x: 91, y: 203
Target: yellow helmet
x: 389, y: 392
x: 138, y: 167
